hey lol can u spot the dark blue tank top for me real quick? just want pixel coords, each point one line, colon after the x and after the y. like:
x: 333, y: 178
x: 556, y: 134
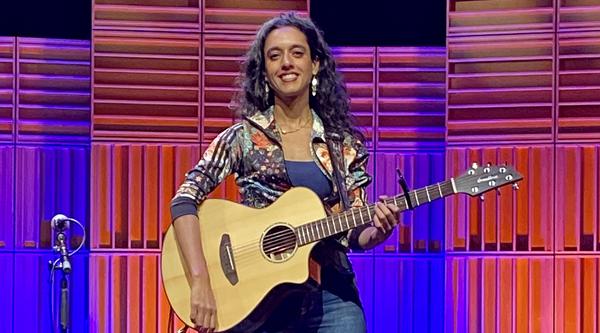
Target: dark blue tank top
x: 308, y: 174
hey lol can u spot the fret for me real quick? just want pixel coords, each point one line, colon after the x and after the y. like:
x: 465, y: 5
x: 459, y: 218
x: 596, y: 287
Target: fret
x: 353, y: 219
x: 340, y: 219
x: 416, y: 198
x: 427, y: 191
x: 362, y: 220
x: 346, y: 216
x: 454, y: 190
x: 328, y: 228
x: 406, y: 201
x: 300, y: 235
x: 318, y: 232
x: 369, y: 213
x: 440, y: 189
x: 312, y: 233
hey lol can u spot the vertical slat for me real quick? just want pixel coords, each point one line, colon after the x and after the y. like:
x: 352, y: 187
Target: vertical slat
x: 489, y: 296
x: 135, y: 187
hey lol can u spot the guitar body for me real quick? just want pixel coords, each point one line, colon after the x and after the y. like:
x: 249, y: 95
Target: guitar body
x: 245, y: 264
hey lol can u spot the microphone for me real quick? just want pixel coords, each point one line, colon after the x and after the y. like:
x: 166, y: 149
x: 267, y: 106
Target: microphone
x: 60, y: 223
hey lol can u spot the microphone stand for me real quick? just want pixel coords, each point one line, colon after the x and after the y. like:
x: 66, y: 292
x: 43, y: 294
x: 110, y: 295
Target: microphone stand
x: 65, y: 267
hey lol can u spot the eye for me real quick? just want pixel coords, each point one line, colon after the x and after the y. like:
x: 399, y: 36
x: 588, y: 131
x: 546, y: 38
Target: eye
x: 298, y: 53
x: 274, y: 56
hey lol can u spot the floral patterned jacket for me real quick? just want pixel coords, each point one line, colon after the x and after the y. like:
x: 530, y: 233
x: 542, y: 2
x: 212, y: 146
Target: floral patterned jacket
x: 251, y: 149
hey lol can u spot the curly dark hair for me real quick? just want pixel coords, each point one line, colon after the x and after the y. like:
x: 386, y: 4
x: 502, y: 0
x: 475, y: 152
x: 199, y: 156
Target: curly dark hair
x: 331, y: 103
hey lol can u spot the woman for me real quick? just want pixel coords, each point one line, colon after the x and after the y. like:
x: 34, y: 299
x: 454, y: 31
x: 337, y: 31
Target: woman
x: 293, y: 103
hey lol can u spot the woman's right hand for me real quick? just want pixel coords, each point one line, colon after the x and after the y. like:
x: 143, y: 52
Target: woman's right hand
x: 203, y: 306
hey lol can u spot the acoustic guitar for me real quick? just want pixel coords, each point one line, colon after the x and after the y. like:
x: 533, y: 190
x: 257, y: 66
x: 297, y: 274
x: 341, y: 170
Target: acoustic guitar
x: 256, y: 256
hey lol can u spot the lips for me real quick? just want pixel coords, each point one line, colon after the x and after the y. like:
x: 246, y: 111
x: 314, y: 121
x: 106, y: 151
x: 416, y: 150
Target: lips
x: 288, y: 77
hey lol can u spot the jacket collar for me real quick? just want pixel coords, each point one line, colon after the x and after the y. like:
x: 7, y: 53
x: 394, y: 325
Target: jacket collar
x: 266, y: 121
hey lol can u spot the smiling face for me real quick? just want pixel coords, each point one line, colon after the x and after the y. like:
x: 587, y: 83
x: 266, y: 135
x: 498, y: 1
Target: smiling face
x: 288, y: 65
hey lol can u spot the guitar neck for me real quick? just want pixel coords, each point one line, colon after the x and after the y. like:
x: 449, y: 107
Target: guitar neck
x: 352, y: 218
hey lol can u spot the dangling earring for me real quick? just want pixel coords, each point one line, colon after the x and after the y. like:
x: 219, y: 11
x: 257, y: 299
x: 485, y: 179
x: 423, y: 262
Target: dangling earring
x: 313, y: 86
x: 267, y: 87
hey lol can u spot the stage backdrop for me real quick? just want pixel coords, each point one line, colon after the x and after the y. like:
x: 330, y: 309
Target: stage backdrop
x: 104, y: 132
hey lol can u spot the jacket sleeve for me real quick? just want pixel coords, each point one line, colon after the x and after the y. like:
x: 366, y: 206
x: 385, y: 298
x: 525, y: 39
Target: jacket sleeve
x: 220, y: 159
x: 358, y: 181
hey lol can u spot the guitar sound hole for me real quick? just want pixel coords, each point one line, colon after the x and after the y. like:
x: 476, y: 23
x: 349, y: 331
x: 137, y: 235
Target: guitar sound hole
x: 279, y: 243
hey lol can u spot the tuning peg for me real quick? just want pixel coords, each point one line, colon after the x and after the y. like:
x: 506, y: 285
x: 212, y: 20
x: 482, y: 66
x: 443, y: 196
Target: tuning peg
x: 474, y: 165
x: 515, y: 186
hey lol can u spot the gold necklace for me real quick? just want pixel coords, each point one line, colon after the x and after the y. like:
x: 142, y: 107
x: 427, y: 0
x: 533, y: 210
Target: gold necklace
x: 295, y: 130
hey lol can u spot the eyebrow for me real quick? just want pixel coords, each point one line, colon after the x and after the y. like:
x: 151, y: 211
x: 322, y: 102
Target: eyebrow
x: 274, y: 48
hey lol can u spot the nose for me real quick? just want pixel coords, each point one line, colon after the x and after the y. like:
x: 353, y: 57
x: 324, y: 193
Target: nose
x: 286, y: 60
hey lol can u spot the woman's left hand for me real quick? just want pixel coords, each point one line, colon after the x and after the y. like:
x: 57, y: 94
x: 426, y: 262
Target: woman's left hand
x: 385, y: 219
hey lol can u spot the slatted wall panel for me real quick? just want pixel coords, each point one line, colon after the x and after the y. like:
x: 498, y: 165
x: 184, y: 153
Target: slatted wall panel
x: 408, y: 294
x: 499, y: 17
x: 148, y: 15
x: 6, y: 290
x: 223, y: 55
x: 499, y: 294
x: 244, y: 17
x: 132, y: 185
x: 54, y: 90
x: 423, y: 228
x: 32, y: 300
x: 357, y: 66
x: 7, y: 88
x: 146, y: 85
x: 577, y: 204
x: 510, y: 221
x: 577, y: 294
x: 579, y: 84
x: 500, y: 88
x: 578, y: 15
x: 411, y: 97
x: 126, y: 294
x: 51, y: 180
x: 7, y: 197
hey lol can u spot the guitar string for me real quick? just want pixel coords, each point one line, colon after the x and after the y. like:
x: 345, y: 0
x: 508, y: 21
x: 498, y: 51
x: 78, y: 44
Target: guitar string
x: 319, y: 225
x: 289, y: 242
x: 241, y: 249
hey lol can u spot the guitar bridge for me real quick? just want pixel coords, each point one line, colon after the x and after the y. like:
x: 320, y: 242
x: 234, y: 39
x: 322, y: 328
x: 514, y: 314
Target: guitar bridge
x: 227, y: 261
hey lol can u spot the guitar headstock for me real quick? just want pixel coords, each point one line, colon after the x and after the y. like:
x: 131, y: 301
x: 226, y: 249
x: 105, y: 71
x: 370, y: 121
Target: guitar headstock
x: 480, y: 179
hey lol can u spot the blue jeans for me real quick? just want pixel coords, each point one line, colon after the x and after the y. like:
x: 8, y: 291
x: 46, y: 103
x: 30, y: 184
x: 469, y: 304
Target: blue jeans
x: 333, y: 308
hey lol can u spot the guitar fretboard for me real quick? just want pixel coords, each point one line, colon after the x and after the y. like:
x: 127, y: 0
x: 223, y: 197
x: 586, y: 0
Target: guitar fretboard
x: 352, y: 218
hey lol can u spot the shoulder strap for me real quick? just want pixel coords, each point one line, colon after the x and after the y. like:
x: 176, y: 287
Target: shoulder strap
x: 334, y: 144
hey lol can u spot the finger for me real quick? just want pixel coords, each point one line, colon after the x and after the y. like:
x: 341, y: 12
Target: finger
x: 206, y: 321
x: 213, y: 322
x: 381, y: 216
x: 383, y: 197
x: 395, y: 209
x: 194, y: 314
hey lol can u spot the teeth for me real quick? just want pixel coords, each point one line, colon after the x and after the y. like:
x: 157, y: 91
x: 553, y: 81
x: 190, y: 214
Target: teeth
x: 289, y: 77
